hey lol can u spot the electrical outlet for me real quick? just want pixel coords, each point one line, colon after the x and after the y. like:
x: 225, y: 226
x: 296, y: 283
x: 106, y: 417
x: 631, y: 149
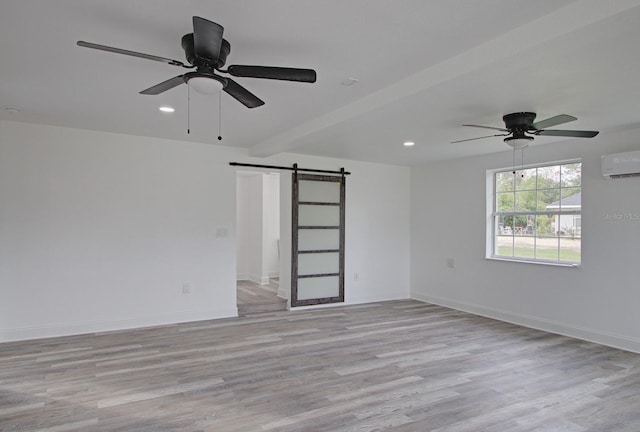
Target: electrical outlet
x: 186, y: 288
x: 450, y: 263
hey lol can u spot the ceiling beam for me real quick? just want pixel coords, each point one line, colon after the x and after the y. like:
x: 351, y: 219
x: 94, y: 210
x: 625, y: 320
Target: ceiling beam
x: 522, y: 40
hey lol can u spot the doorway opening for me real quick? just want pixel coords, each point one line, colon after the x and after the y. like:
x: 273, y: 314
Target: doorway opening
x: 258, y: 242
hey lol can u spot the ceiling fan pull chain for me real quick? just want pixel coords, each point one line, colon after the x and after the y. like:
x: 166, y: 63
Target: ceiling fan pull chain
x: 188, y: 110
x: 522, y: 161
x: 514, y: 161
x: 219, y: 116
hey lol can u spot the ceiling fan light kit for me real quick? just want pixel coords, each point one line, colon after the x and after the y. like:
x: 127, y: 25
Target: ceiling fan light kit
x: 518, y: 142
x: 206, y: 52
x: 203, y: 84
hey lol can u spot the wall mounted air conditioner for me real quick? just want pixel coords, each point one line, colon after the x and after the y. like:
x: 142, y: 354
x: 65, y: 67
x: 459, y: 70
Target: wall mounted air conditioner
x: 619, y: 165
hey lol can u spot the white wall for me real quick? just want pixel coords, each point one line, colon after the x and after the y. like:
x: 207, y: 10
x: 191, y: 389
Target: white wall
x: 243, y: 236
x: 258, y: 226
x: 271, y: 203
x: 250, y: 228
x: 596, y: 302
x: 100, y: 231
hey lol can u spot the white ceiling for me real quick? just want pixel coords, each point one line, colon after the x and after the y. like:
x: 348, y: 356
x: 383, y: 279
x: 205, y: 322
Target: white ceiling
x: 424, y: 68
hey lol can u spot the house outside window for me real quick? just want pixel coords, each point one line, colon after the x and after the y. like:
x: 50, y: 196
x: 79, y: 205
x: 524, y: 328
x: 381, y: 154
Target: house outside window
x: 536, y: 214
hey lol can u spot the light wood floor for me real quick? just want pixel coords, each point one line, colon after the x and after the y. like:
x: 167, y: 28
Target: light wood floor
x: 255, y: 298
x: 393, y: 366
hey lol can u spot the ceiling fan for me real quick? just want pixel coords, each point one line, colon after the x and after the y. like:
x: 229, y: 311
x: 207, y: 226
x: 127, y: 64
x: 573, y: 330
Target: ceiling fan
x: 206, y: 52
x: 520, y: 129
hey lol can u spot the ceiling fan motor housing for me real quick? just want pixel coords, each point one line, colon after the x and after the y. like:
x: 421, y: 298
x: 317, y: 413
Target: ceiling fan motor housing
x: 520, y: 121
x: 190, y: 53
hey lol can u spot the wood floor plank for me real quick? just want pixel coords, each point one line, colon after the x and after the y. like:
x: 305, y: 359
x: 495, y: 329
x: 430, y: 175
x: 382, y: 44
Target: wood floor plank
x: 398, y: 366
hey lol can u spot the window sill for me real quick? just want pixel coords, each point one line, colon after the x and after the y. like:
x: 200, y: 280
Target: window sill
x: 525, y: 261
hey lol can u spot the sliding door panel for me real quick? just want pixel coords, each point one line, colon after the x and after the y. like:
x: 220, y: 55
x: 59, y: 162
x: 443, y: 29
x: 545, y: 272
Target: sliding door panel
x: 318, y: 214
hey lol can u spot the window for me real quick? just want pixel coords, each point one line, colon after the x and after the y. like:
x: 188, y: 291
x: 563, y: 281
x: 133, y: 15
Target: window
x: 536, y: 214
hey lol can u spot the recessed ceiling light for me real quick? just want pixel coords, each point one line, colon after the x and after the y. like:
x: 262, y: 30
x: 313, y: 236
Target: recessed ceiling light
x: 349, y: 81
x: 408, y: 144
x: 167, y: 109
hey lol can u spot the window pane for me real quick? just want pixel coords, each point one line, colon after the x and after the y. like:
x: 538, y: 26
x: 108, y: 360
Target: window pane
x: 505, y: 226
x: 526, y: 200
x: 504, y: 236
x: 548, y: 199
x: 526, y: 179
x: 524, y: 246
x: 571, y: 174
x: 547, y: 248
x: 504, y: 246
x: 504, y: 181
x: 505, y: 202
x: 545, y: 226
x: 570, y: 199
x: 577, y: 223
x: 568, y: 225
x: 570, y: 249
x: 549, y: 176
x: 519, y: 223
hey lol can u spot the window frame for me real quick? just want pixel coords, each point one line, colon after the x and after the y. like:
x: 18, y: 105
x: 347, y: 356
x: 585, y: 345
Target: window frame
x: 493, y: 215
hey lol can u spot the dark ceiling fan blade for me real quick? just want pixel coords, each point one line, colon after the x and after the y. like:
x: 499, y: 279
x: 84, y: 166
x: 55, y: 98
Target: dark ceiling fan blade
x: 131, y: 53
x: 271, y: 72
x: 567, y: 133
x: 477, y: 138
x: 207, y: 39
x: 164, y: 86
x: 553, y: 121
x: 243, y: 95
x: 487, y: 127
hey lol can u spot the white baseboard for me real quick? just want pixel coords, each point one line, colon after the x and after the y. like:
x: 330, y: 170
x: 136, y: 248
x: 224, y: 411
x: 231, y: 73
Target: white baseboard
x: 251, y: 278
x: 374, y: 298
x: 68, y: 329
x: 564, y: 329
x: 262, y: 280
